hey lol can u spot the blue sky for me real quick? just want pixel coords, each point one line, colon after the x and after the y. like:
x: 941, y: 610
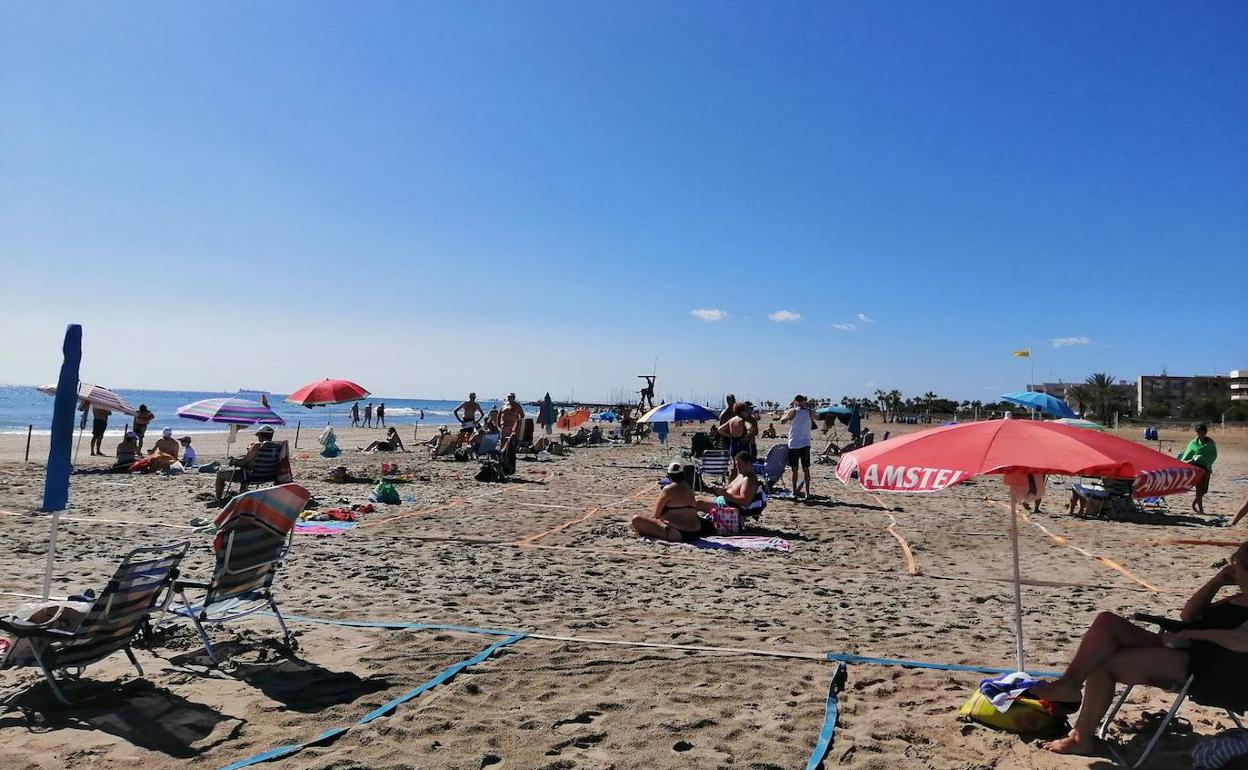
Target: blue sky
x: 535, y: 196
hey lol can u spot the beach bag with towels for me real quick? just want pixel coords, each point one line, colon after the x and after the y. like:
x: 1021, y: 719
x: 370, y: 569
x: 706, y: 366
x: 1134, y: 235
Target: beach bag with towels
x: 1003, y: 704
x: 385, y: 492
x: 727, y: 520
x: 491, y: 471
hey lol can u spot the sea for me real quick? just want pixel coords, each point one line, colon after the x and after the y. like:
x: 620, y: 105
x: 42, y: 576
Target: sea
x: 21, y: 406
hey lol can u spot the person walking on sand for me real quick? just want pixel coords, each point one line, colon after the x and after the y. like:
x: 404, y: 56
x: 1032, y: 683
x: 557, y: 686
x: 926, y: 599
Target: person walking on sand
x: 368, y: 416
x: 1201, y: 452
x: 141, y: 420
x: 355, y: 415
x: 801, y: 420
x: 381, y: 415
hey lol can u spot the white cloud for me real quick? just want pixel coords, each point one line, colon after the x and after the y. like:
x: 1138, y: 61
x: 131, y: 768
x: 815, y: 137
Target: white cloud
x: 845, y: 327
x: 864, y: 318
x: 1063, y: 342
x: 781, y: 316
x: 709, y: 314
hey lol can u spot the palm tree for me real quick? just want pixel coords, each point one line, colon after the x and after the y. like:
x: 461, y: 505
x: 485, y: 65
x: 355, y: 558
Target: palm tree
x: 1098, y: 391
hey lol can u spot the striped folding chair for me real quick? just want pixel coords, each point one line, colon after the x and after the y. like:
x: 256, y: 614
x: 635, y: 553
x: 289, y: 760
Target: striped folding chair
x: 138, y: 588
x: 714, y: 463
x: 253, y: 536
x: 271, y: 466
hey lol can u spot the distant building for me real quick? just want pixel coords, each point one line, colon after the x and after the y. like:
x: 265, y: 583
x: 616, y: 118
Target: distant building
x: 1069, y: 392
x: 1158, y: 392
x: 1239, y: 385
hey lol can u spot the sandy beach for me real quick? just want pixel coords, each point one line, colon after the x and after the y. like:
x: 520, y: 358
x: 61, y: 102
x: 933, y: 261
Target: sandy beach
x: 918, y: 577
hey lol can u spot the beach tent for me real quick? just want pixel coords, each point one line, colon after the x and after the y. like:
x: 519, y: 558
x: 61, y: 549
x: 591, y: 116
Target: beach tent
x: 1079, y: 423
x: 1041, y: 402
x: 607, y: 416
x: 572, y: 419
x: 934, y: 459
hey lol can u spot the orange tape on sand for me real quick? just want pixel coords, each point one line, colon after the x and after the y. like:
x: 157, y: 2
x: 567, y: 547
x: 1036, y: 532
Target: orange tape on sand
x: 454, y: 502
x: 589, y: 513
x: 911, y: 565
x: 1060, y: 540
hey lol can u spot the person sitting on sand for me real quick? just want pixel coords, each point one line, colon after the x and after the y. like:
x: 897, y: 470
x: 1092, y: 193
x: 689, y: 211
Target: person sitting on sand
x: 166, y: 444
x: 678, y: 516
x: 1114, y: 650
x: 745, y: 492
x: 392, y: 443
x: 127, y: 452
x: 188, y: 452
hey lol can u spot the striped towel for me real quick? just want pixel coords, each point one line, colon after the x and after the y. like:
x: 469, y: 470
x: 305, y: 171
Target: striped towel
x: 1216, y: 752
x: 737, y: 543
x: 323, y: 527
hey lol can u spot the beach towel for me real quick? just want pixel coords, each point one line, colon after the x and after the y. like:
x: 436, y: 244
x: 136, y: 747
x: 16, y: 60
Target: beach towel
x: 1003, y: 691
x: 1221, y: 750
x: 323, y: 527
x: 738, y: 543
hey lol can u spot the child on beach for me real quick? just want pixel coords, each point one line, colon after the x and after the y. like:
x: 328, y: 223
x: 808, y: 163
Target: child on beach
x: 188, y: 452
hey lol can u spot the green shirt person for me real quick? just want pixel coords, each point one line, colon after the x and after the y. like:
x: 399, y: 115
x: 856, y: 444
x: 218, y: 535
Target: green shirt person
x: 1201, y: 452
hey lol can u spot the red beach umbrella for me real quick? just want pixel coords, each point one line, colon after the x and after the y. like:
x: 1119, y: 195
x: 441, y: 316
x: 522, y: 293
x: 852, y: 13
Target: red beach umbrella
x: 326, y: 392
x: 931, y: 460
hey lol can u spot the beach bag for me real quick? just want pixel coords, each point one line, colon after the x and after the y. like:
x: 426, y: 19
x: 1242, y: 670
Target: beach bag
x: 463, y: 454
x: 491, y: 472
x: 727, y: 520
x: 57, y: 615
x: 1027, y: 716
x: 385, y: 492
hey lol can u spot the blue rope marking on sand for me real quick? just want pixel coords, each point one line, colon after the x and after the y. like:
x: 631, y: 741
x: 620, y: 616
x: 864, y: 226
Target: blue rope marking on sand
x: 847, y: 658
x: 829, y: 719
x: 385, y: 708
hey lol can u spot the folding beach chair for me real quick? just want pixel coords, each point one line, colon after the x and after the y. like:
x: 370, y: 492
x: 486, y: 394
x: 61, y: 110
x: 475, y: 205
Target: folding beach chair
x: 1166, y: 624
x: 139, y: 587
x: 714, y: 463
x: 252, y: 540
x: 773, y: 466
x: 1109, y: 499
x: 488, y: 445
x: 271, y: 466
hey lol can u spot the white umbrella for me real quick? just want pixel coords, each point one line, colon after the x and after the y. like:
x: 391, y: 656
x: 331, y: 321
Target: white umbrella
x: 96, y: 395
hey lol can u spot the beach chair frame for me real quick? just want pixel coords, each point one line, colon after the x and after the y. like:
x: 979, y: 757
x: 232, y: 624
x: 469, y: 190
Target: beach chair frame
x: 770, y: 479
x: 713, y: 462
x: 1166, y: 624
x: 243, y: 576
x: 248, y: 476
x: 113, y: 621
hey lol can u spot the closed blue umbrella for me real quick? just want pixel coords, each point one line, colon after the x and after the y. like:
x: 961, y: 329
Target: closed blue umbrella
x: 546, y: 416
x: 1042, y: 402
x: 678, y: 411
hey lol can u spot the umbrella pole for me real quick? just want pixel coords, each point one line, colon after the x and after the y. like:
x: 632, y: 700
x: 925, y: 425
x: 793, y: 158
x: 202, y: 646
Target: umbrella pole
x: 47, y: 573
x: 78, y: 445
x: 1018, y: 589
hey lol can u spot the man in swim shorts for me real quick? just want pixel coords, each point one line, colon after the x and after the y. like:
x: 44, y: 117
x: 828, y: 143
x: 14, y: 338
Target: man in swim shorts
x: 468, y: 413
x: 509, y: 417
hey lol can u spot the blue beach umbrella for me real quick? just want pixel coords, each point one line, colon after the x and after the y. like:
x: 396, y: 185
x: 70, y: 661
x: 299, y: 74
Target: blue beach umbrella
x: 607, y: 416
x: 835, y: 409
x: 678, y: 411
x: 1042, y: 402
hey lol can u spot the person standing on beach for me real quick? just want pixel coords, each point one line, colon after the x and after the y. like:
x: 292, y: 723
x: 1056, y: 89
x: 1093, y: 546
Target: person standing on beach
x: 647, y: 392
x: 141, y: 420
x: 1201, y: 452
x: 381, y: 415
x: 99, y: 424
x: 510, y: 417
x: 468, y: 413
x: 355, y: 415
x: 801, y: 420
x: 368, y: 416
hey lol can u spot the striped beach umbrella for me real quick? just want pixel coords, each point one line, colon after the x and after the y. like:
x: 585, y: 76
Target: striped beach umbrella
x: 231, y: 411
x: 97, y: 396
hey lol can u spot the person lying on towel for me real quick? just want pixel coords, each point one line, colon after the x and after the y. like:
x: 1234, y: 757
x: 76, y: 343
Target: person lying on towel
x: 1211, y: 649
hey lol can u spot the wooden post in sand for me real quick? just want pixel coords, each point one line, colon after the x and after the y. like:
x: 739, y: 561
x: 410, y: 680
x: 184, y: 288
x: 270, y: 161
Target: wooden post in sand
x: 298, y: 425
x: 29, y: 429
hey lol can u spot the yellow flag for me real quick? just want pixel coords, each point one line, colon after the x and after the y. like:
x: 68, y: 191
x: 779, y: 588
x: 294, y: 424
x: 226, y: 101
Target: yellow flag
x: 1026, y: 353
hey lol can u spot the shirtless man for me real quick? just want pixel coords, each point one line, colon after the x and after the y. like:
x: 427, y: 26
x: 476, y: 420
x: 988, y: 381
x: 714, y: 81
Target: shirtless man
x: 510, y: 417
x: 468, y: 413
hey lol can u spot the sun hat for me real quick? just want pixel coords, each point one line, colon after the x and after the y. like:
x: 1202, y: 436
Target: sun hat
x: 265, y: 430
x: 185, y: 439
x: 131, y: 434
x: 167, y: 433
x: 675, y: 468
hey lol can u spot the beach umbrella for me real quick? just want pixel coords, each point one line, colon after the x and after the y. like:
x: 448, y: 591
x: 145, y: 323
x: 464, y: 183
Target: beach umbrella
x: 230, y: 411
x: 56, y: 478
x: 547, y: 415
x: 931, y: 460
x: 678, y: 411
x: 1075, y: 422
x: 326, y: 392
x: 1042, y: 402
x: 607, y: 416
x: 96, y: 395
x: 835, y: 409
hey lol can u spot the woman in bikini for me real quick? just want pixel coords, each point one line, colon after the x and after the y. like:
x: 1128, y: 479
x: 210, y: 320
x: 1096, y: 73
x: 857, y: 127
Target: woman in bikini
x: 678, y: 516
x: 1211, y: 649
